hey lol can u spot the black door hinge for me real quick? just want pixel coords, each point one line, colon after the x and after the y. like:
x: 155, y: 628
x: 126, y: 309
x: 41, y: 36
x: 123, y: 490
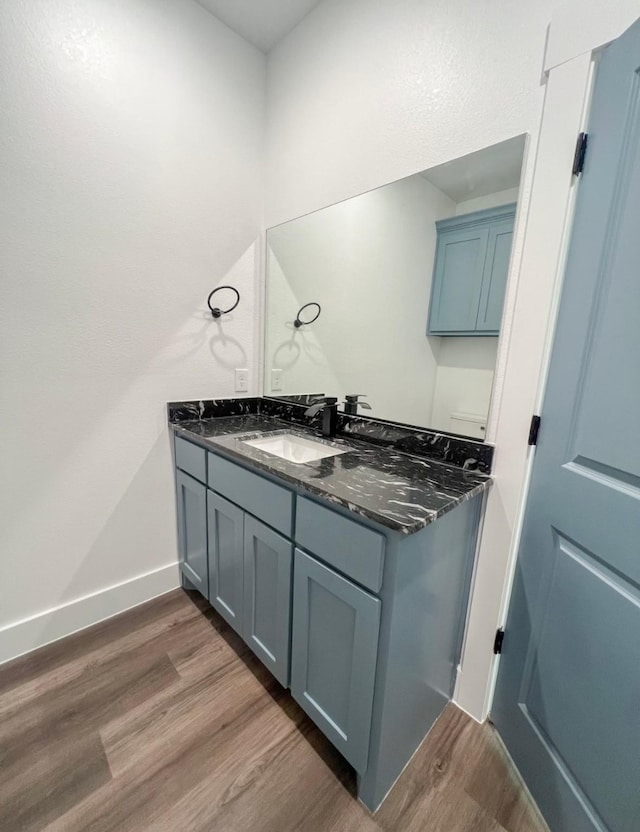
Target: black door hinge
x: 497, y: 642
x: 533, y: 430
x: 581, y: 152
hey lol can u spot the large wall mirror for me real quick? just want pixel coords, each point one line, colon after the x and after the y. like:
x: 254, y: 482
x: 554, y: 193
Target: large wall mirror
x: 396, y: 295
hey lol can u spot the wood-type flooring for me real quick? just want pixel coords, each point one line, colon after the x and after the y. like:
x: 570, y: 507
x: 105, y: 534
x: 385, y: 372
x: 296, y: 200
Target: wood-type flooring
x: 162, y: 719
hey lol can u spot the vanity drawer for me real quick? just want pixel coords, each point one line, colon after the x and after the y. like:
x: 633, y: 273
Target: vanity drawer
x: 191, y: 459
x: 255, y: 494
x: 351, y: 548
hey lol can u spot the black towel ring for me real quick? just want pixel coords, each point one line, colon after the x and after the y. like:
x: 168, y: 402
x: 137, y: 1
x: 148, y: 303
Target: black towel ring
x: 298, y: 323
x: 215, y: 311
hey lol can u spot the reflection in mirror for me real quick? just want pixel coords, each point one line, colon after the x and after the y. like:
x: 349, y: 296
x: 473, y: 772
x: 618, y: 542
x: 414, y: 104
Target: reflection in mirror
x: 411, y: 280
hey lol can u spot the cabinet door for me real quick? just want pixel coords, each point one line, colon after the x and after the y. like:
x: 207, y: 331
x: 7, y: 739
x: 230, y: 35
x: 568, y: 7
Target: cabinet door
x: 268, y: 562
x: 457, y: 280
x: 192, y: 531
x: 334, y: 653
x: 225, y: 559
x: 494, y: 279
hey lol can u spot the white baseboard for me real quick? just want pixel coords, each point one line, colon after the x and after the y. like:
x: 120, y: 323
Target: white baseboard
x: 56, y: 623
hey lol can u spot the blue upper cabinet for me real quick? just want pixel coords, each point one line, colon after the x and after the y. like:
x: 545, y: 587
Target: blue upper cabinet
x: 470, y: 272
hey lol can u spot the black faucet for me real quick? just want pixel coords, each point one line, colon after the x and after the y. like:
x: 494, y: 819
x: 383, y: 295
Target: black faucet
x: 329, y: 408
x: 352, y: 402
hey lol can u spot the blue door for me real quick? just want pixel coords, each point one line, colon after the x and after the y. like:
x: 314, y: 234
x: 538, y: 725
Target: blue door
x: 568, y: 695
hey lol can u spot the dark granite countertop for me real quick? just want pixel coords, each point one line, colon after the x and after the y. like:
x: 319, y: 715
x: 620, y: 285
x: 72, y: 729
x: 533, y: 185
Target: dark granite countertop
x: 397, y: 490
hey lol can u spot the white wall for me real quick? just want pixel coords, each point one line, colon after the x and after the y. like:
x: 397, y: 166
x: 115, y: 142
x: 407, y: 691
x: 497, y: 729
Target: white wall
x: 131, y: 141
x: 488, y: 201
x: 368, y: 262
x: 578, y: 27
x: 364, y: 92
x: 464, y: 379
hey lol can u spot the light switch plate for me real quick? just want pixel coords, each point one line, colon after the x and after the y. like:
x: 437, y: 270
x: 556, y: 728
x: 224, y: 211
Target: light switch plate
x: 242, y: 381
x: 276, y: 380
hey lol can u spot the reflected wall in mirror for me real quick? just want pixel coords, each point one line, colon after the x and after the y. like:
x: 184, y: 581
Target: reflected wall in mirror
x: 410, y: 281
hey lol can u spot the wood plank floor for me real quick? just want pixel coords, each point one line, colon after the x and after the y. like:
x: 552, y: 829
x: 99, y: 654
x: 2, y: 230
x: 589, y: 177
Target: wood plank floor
x: 162, y: 719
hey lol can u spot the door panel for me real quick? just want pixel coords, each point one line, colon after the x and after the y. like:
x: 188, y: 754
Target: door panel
x: 268, y: 561
x: 334, y: 655
x: 458, y: 280
x: 568, y: 694
x: 192, y: 531
x: 225, y: 559
x: 495, y: 277
x: 584, y: 590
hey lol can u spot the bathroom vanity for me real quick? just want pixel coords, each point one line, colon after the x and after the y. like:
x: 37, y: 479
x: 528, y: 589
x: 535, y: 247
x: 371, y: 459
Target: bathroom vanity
x: 348, y: 576
x: 344, y: 560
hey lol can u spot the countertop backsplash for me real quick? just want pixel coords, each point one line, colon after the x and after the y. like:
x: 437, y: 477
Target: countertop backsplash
x: 460, y: 451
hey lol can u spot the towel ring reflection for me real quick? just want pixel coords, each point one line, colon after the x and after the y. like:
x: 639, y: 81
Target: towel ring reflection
x: 216, y: 311
x: 298, y: 323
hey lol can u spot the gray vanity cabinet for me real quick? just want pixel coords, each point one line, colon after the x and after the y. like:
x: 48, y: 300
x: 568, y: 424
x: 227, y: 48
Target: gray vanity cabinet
x: 226, y: 558
x: 268, y: 563
x: 192, y: 531
x: 334, y: 654
x: 363, y: 623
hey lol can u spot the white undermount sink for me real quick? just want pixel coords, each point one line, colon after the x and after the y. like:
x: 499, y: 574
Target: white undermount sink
x: 294, y: 448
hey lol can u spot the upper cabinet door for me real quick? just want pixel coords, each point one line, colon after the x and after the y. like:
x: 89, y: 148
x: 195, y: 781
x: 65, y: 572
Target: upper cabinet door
x: 226, y: 559
x: 334, y: 655
x: 470, y: 272
x: 494, y: 281
x: 457, y: 279
x: 268, y: 561
x: 192, y: 531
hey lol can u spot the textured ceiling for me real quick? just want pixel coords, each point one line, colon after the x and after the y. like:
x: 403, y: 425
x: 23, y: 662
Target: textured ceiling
x: 262, y: 22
